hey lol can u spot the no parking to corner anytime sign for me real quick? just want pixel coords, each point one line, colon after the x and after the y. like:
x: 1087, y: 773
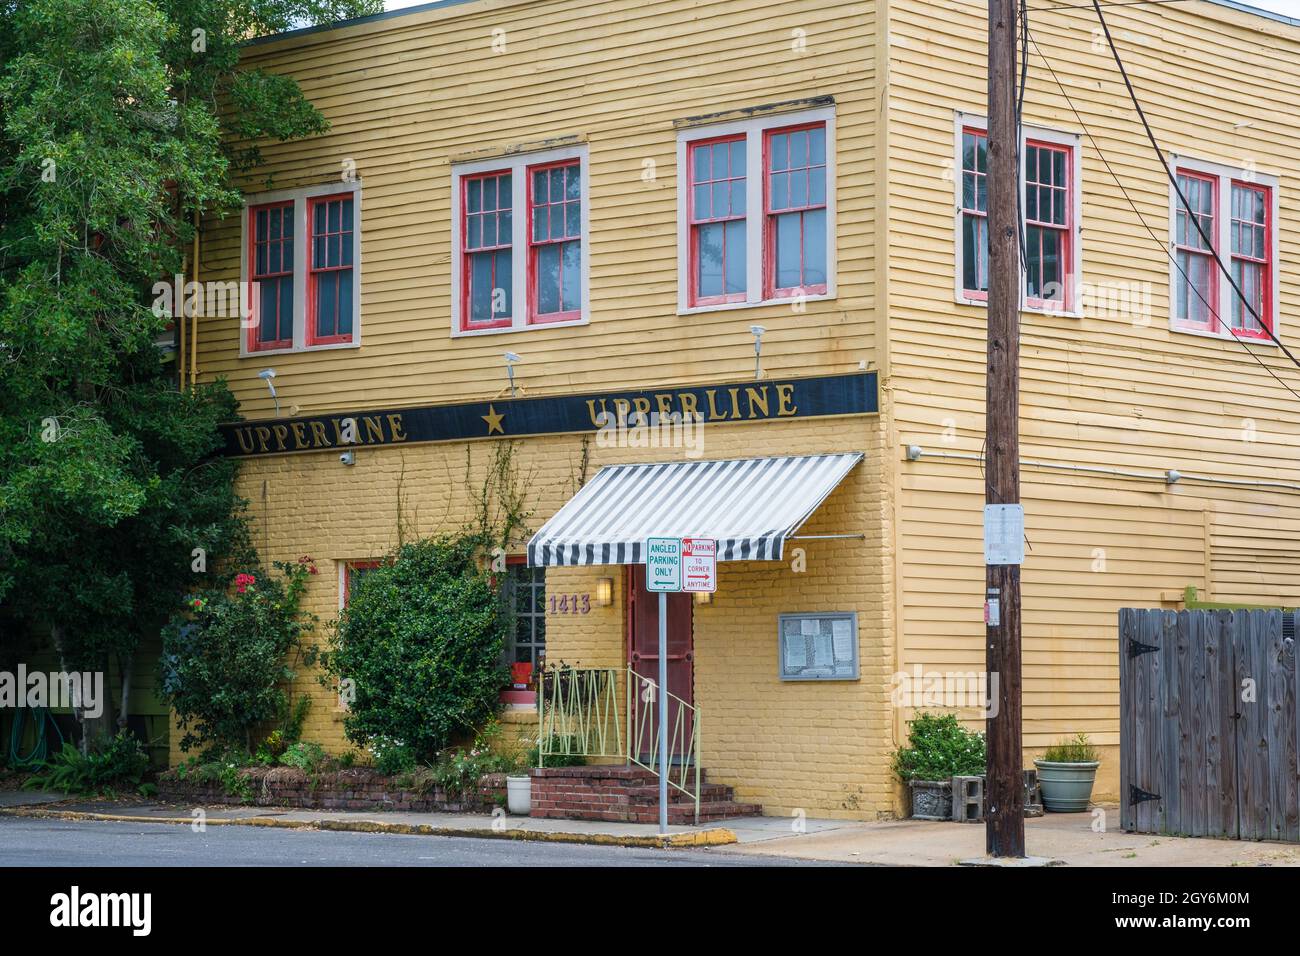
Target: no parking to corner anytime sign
x: 681, y: 564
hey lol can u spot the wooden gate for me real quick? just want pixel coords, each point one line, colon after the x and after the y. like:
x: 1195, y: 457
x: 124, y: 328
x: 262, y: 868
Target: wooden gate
x: 1208, y: 724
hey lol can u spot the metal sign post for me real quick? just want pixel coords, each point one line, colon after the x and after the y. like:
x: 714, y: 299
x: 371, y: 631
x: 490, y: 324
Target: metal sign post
x: 663, y: 573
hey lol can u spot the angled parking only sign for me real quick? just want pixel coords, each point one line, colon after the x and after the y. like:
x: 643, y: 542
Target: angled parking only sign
x: 663, y: 564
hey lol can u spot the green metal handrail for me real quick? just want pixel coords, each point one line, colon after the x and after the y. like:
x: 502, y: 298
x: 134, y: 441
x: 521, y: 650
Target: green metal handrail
x: 683, y: 739
x: 577, y: 713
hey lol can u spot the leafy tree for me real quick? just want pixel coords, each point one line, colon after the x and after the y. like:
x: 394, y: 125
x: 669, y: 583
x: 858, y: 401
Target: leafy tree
x: 119, y: 120
x: 420, y: 644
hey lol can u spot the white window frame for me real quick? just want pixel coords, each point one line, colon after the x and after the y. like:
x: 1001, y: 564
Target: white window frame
x: 517, y: 164
x: 753, y: 130
x: 1224, y: 176
x: 300, y: 243
x: 1072, y: 141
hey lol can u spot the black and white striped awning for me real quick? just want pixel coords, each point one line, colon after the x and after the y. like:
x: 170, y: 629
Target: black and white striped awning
x: 750, y: 505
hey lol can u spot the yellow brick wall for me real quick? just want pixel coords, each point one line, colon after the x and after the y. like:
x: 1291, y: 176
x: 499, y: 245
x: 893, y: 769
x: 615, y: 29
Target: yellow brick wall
x: 821, y: 747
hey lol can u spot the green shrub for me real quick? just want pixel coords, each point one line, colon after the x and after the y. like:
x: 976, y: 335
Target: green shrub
x: 391, y: 757
x: 305, y: 755
x: 939, y: 748
x: 420, y: 643
x: 118, y: 764
x: 560, y: 753
x: 225, y: 664
x: 1078, y: 749
x: 221, y: 766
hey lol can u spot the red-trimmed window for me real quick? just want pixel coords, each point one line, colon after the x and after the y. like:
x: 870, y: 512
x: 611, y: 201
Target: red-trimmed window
x: 1196, y: 285
x: 974, y: 213
x: 486, y: 279
x: 794, y: 211
x: 1251, y: 269
x: 270, y: 261
x: 353, y: 572
x: 555, y: 242
x: 329, y: 270
x: 716, y: 214
x: 1048, y: 211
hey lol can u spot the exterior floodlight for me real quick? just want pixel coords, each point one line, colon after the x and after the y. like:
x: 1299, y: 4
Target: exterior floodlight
x: 268, y: 376
x: 511, y: 358
x: 758, y: 331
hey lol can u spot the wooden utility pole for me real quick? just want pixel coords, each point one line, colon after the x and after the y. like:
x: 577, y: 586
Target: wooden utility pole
x: 1004, y: 783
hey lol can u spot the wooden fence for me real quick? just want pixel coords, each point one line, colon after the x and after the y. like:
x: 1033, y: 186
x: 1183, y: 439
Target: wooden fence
x: 1208, y: 724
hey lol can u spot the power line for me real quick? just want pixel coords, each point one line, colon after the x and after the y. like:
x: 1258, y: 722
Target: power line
x: 1164, y: 246
x: 1191, y: 215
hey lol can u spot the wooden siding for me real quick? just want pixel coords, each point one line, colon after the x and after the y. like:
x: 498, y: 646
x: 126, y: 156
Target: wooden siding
x: 1102, y: 390
x: 407, y: 95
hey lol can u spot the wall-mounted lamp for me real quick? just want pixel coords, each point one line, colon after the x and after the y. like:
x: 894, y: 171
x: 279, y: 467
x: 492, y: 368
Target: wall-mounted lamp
x: 604, y: 591
x: 511, y: 358
x: 268, y: 376
x: 1172, y: 475
x: 758, y: 331
x: 914, y: 452
x: 703, y: 597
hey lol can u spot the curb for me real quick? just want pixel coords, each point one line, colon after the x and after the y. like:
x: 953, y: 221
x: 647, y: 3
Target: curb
x: 716, y: 836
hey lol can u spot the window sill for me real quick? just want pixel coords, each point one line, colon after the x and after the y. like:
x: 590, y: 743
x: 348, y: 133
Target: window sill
x: 1024, y: 309
x: 247, y: 353
x: 1222, y: 336
x: 777, y: 300
x: 507, y: 329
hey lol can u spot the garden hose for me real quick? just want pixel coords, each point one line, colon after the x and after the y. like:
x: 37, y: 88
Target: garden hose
x: 40, y: 750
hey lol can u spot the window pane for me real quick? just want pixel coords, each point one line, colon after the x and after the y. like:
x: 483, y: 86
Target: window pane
x: 799, y: 149
x: 268, y: 296
x: 480, y: 285
x: 346, y: 245
x: 572, y: 219
x: 703, y: 207
x: 572, y: 285
x: 260, y: 265
x: 734, y: 237
x: 814, y: 247
x: 573, y: 183
x: 347, y: 215
x: 1043, y: 255
x: 721, y: 198
x: 285, y: 291
x: 780, y: 191
x: 817, y: 145
x: 737, y: 148
x: 1031, y: 203
x: 345, y: 302
x: 709, y: 241
x: 798, y: 189
x: 702, y: 159
x: 326, y: 305
x: 788, y: 251
x: 541, y: 223
x: 540, y: 192
x: 474, y: 232
x: 974, y: 254
x: 780, y: 151
x: 474, y: 195
x: 503, y: 284
x: 548, y: 279
x: 817, y: 185
x: 557, y: 184
x: 738, y: 197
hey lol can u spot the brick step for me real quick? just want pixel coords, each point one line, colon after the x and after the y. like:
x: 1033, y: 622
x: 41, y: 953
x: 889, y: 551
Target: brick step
x: 709, y: 793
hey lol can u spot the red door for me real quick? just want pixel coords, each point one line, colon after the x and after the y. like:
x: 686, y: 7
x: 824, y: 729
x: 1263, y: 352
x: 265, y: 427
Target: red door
x: 643, y: 654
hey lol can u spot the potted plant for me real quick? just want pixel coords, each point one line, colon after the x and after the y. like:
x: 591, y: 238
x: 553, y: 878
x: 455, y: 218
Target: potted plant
x: 1066, y: 773
x: 938, y: 749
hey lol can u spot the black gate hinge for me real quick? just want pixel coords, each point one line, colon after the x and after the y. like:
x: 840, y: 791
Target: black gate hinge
x: 1137, y: 795
x: 1136, y: 647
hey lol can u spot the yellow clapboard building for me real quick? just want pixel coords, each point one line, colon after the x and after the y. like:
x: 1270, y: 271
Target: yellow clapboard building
x: 742, y: 244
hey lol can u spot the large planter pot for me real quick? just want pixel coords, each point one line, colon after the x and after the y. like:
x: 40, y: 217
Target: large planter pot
x: 519, y: 795
x: 1066, y: 787
x: 931, y: 799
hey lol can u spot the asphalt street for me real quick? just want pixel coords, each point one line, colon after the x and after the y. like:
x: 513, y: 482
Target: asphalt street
x: 37, y: 842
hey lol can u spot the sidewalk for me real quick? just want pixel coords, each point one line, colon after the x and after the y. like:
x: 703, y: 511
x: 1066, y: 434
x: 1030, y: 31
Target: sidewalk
x: 1065, y: 838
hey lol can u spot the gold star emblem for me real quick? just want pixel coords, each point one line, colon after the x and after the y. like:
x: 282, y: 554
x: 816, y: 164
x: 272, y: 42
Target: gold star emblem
x: 493, y: 421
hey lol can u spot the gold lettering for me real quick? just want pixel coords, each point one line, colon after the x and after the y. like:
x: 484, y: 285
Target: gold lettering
x: 395, y: 426
x: 281, y: 433
x: 338, y: 430
x: 714, y: 414
x: 245, y: 437
x: 752, y: 394
x: 665, y: 403
x: 318, y: 438
x: 597, y: 419
x: 621, y: 407
x: 374, y: 430
x: 735, y: 402
x: 689, y: 410
x: 299, y: 434
x: 785, y: 400
x: 263, y: 436
x: 642, y: 410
